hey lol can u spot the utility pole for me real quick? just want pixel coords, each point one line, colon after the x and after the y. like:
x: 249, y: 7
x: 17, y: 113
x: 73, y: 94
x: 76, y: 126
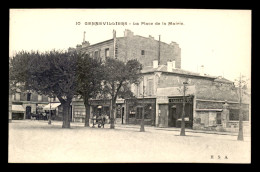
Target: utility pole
x: 183, y: 111
x: 142, y: 121
x: 240, y: 133
x: 159, y: 50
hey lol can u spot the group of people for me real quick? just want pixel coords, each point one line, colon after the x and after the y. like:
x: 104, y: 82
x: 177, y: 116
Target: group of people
x: 100, y: 119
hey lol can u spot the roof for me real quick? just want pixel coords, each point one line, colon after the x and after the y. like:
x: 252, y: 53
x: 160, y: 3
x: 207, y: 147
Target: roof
x: 18, y: 108
x: 163, y: 68
x: 223, y: 80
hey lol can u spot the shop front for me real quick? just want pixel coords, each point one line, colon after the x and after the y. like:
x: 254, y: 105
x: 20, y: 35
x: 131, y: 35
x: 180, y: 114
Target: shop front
x: 134, y: 111
x: 170, y: 112
x: 99, y: 107
x: 18, y: 112
x: 120, y: 111
x: 54, y: 110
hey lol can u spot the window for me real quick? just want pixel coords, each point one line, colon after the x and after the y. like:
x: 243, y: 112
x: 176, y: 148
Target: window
x: 150, y: 87
x: 96, y: 54
x: 218, y: 117
x: 234, y: 114
x: 28, y: 96
x: 118, y: 111
x: 131, y: 112
x: 39, y: 97
x: 142, y: 52
x: 107, y: 52
x: 139, y: 112
x: 148, y: 111
x: 17, y: 96
x: 245, y: 115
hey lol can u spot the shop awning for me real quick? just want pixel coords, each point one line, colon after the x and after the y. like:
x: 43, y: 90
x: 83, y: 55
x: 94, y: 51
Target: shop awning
x: 18, y: 108
x: 53, y: 106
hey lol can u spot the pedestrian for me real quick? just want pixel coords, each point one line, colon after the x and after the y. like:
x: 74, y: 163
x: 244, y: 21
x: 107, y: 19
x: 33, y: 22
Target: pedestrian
x: 99, y: 119
x: 103, y: 118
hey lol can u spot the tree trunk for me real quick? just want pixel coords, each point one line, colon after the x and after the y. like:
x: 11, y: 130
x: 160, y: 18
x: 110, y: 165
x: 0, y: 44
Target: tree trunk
x: 112, y: 115
x: 87, y: 112
x: 66, y: 114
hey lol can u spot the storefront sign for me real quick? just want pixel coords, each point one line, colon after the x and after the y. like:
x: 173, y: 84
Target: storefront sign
x: 118, y: 101
x: 180, y: 100
x: 99, y: 102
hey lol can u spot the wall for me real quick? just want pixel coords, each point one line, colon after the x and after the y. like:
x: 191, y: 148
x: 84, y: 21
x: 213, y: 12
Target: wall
x: 130, y: 47
x: 149, y: 86
x: 100, y: 47
x: 205, y: 88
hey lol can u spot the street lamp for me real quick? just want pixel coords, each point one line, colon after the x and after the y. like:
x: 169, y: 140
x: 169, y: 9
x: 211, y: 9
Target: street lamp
x: 183, y: 111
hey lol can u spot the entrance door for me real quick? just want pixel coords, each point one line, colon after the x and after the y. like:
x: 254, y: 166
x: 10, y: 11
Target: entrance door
x: 28, y: 112
x: 172, y: 118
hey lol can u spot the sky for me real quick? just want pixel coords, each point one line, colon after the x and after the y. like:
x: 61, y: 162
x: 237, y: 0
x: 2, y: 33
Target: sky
x: 220, y: 40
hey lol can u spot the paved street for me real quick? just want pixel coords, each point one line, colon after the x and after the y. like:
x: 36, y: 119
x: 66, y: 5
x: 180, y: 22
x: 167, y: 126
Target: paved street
x: 36, y: 141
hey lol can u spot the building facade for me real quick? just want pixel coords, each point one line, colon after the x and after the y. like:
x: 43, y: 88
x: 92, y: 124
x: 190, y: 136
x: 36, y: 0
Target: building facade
x: 144, y: 49
x: 211, y: 103
x: 27, y: 104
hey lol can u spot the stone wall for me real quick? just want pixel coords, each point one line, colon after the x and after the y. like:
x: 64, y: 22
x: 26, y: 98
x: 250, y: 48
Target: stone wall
x: 100, y: 48
x: 131, y: 48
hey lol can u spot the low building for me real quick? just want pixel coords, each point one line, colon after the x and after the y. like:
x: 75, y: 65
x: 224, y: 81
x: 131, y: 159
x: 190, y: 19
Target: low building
x: 211, y: 103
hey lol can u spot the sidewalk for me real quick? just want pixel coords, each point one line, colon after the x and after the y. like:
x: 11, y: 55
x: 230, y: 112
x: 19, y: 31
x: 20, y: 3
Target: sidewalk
x: 131, y: 126
x: 178, y: 129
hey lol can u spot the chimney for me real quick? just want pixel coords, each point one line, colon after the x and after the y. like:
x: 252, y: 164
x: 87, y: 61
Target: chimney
x: 202, y: 70
x: 173, y: 65
x: 128, y: 33
x: 155, y: 64
x: 85, y: 44
x: 114, y: 34
x: 173, y: 43
x: 84, y: 36
x: 169, y: 66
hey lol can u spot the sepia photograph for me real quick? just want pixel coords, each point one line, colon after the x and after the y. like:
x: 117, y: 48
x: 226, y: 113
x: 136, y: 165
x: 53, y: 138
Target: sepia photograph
x: 129, y: 86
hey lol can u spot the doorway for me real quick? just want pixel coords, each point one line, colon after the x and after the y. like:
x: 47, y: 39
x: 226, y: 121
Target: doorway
x: 172, y: 118
x: 28, y: 112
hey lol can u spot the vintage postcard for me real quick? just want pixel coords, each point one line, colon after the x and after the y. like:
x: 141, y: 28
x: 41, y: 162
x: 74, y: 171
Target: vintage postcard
x: 129, y: 86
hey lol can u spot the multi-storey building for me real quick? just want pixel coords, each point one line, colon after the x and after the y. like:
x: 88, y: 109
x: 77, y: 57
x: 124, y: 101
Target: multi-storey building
x: 26, y: 104
x: 144, y: 49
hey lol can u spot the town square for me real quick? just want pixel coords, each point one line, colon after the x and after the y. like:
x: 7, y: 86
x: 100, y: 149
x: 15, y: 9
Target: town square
x: 122, y: 92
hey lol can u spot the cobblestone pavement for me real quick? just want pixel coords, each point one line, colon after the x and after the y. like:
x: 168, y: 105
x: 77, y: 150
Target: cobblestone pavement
x: 36, y: 141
